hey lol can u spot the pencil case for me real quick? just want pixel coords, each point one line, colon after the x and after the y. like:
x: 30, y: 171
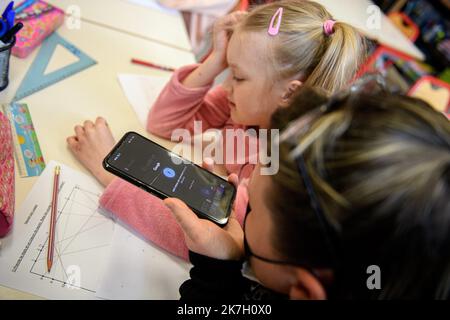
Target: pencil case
x: 6, y: 176
x: 38, y: 23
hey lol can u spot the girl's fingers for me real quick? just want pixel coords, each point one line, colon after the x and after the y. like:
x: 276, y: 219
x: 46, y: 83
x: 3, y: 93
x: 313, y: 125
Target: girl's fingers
x: 101, y: 121
x: 234, y: 179
x: 229, y: 21
x: 79, y: 131
x: 88, y: 125
x: 208, y: 164
x: 72, y: 141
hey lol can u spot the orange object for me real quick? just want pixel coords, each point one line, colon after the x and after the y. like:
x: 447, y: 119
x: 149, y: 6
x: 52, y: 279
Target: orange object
x: 434, y: 91
x: 382, y: 51
x: 405, y: 24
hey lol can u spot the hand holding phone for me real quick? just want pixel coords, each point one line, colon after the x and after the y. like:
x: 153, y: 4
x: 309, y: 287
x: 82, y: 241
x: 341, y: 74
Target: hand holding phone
x: 159, y: 171
x: 206, y: 238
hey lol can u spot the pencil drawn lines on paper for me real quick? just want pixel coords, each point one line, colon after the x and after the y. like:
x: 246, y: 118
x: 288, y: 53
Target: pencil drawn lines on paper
x: 78, y: 242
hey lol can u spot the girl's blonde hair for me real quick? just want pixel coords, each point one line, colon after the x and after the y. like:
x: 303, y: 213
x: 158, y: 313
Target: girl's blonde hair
x: 302, y: 48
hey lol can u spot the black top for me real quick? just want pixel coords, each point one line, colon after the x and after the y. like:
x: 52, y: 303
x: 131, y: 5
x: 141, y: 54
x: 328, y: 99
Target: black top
x: 214, y: 280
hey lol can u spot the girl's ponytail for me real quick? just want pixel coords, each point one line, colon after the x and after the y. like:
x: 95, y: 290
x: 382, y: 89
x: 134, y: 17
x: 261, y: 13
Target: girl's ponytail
x: 340, y: 61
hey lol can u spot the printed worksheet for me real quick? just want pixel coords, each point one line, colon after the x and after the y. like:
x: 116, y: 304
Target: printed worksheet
x: 83, y: 236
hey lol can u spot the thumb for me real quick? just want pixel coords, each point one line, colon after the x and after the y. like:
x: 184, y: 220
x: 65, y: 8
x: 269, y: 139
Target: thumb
x: 185, y: 217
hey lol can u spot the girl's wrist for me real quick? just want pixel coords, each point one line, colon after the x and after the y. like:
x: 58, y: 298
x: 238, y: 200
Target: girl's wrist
x: 217, y: 61
x: 104, y: 177
x: 206, y: 73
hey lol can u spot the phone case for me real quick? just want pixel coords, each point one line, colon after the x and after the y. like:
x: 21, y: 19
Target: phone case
x: 155, y: 192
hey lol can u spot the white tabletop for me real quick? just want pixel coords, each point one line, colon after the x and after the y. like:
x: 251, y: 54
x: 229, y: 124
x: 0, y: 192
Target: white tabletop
x: 86, y: 95
x: 360, y: 14
x: 124, y: 16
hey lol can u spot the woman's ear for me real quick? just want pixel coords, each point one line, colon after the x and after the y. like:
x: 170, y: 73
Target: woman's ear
x: 306, y: 286
x: 289, y: 91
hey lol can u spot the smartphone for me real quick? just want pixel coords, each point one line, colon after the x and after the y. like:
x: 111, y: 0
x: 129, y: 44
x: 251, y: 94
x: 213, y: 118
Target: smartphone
x: 163, y: 173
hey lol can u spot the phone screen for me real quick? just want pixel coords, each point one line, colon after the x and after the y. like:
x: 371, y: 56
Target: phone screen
x: 160, y: 170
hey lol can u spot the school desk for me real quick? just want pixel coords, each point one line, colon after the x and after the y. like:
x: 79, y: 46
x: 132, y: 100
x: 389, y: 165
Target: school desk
x: 88, y: 94
x: 358, y: 13
x: 127, y: 17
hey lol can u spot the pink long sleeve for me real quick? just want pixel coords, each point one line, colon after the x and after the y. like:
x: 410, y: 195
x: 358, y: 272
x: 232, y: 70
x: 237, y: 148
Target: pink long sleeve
x: 148, y: 215
x: 179, y: 106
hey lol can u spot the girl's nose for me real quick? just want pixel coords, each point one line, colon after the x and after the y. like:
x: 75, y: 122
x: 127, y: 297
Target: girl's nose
x: 227, y: 84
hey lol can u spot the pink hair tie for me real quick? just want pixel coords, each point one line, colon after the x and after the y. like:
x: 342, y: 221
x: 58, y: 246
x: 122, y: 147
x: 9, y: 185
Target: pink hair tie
x: 328, y: 27
x: 273, y: 30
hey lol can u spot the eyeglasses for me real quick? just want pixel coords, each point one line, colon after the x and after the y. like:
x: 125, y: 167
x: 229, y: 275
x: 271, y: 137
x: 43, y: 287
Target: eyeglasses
x: 330, y: 238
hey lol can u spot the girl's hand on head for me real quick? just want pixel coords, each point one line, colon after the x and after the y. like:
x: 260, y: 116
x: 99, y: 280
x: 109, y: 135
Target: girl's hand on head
x: 204, y: 237
x: 216, y: 62
x: 222, y: 29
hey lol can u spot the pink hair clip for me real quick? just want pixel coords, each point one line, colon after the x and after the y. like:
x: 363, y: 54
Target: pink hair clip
x: 328, y: 27
x: 273, y: 30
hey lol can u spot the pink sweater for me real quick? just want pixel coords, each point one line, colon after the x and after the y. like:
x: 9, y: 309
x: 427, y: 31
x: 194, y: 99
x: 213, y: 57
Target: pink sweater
x: 177, y: 107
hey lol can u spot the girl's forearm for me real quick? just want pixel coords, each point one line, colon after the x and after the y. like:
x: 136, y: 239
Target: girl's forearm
x: 206, y: 73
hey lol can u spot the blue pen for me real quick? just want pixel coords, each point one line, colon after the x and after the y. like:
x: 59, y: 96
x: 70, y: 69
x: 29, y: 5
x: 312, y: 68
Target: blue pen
x: 10, y: 17
x: 7, y: 20
x: 9, y: 7
x: 3, y: 27
x: 24, y: 5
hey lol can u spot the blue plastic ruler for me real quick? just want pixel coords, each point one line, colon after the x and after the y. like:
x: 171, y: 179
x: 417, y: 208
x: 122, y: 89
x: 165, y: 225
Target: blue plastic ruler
x: 35, y: 79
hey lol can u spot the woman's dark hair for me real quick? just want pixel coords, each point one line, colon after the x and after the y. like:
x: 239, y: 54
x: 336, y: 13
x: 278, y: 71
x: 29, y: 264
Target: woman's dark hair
x: 380, y: 168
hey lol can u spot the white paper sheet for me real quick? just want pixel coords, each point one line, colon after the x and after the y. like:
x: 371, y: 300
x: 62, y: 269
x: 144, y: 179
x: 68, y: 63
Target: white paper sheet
x: 82, y: 239
x: 141, y: 92
x: 139, y: 270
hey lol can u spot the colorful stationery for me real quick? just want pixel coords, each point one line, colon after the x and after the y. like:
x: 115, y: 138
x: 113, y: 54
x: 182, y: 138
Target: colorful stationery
x: 34, y: 13
x: 29, y: 159
x: 24, y: 5
x: 37, y: 27
x: 7, y: 181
